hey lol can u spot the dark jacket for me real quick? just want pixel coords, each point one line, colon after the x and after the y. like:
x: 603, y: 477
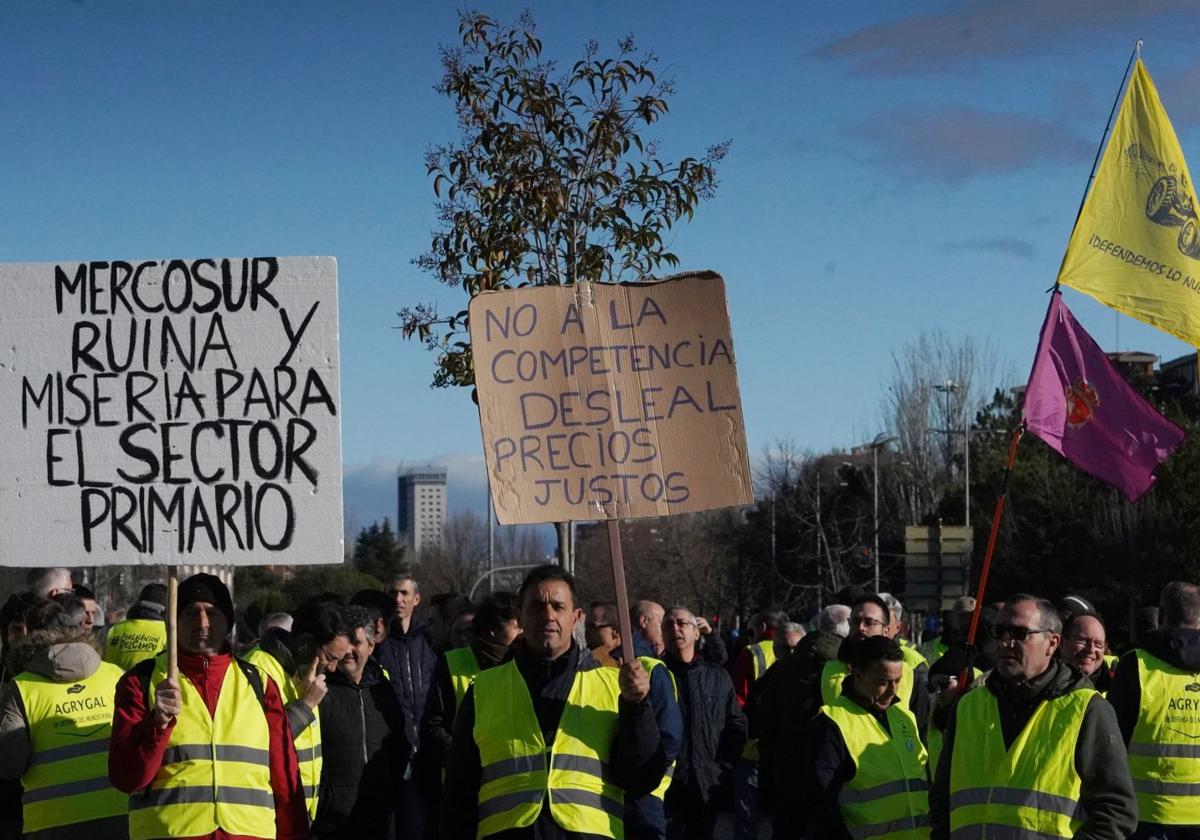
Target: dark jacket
x: 635, y: 761
x: 714, y: 729
x: 1100, y: 759
x: 789, y: 701
x: 409, y: 659
x: 365, y: 752
x: 1179, y: 647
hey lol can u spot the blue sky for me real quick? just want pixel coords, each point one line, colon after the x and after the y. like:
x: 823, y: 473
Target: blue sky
x: 895, y: 167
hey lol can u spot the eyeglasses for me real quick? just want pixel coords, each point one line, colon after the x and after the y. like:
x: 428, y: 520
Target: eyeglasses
x: 1097, y: 644
x: 329, y: 657
x: 863, y: 621
x: 682, y: 622
x: 1015, y: 632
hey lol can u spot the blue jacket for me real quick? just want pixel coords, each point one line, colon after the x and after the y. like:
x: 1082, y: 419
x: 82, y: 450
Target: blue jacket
x: 644, y: 816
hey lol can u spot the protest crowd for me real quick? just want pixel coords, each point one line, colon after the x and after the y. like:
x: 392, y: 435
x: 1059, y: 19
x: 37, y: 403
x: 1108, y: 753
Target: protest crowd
x: 517, y: 717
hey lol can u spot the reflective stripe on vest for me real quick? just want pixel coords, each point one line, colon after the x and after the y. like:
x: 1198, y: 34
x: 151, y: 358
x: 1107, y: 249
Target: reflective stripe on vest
x: 215, y: 773
x: 134, y: 640
x: 888, y: 796
x: 308, y: 741
x: 69, y: 726
x: 835, y: 672
x: 1030, y: 790
x: 516, y: 781
x: 463, y: 667
x: 1164, y: 750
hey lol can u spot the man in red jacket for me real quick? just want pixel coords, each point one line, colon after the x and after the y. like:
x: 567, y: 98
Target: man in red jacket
x: 169, y: 737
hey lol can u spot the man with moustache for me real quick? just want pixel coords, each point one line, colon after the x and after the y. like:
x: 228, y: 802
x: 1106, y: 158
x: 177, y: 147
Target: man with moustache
x: 549, y: 744
x: 1036, y: 751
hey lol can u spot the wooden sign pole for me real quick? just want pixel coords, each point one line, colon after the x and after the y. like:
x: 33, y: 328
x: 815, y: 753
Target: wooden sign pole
x: 172, y: 632
x: 618, y: 571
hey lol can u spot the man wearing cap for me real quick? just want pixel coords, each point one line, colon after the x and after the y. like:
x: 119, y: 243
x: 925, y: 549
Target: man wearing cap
x: 207, y: 755
x: 143, y: 633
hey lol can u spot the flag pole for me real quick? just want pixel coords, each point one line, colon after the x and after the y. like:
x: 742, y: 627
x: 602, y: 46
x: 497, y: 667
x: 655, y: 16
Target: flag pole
x: 624, y: 622
x: 1133, y: 56
x: 997, y: 516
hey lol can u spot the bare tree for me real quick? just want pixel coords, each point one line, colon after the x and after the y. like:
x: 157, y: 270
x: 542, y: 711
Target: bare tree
x: 457, y: 562
x: 937, y: 385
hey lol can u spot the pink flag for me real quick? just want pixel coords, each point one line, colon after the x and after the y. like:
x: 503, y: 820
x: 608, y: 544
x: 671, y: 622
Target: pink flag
x: 1080, y: 405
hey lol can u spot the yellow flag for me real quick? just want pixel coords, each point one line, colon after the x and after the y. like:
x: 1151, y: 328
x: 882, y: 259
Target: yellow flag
x: 1136, y: 247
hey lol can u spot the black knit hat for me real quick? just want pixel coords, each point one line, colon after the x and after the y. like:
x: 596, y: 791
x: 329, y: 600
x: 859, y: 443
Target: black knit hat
x: 207, y: 588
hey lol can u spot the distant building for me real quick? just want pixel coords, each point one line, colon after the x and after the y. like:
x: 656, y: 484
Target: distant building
x: 1180, y: 374
x: 421, y: 513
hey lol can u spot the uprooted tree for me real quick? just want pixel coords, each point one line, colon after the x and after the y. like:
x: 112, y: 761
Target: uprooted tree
x: 553, y: 180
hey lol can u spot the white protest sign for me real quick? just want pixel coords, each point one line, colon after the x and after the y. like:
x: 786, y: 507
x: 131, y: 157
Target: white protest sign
x: 605, y: 401
x: 170, y: 411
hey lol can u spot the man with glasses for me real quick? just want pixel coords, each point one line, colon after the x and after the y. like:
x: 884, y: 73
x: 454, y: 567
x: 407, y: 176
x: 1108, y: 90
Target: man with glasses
x: 714, y: 728
x: 1084, y: 643
x: 297, y: 663
x: 1156, y: 695
x: 1036, y: 751
x: 870, y: 616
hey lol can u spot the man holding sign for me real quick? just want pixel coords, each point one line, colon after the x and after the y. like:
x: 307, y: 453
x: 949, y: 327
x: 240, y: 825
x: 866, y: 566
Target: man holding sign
x: 548, y: 744
x: 221, y: 719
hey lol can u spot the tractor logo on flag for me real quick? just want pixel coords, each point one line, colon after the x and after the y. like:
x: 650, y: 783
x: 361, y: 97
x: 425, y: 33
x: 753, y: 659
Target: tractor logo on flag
x: 1170, y: 203
x: 1082, y: 400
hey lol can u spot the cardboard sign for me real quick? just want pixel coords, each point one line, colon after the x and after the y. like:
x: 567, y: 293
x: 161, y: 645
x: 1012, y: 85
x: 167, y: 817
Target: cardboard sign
x: 604, y: 401
x: 170, y: 411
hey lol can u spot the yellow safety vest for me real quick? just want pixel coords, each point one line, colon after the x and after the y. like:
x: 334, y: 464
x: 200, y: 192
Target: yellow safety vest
x: 888, y: 797
x: 1164, y: 750
x: 934, y: 649
x: 519, y: 773
x: 463, y: 667
x: 835, y: 672
x: 69, y: 727
x: 215, y: 773
x: 762, y: 657
x: 911, y: 655
x: 308, y: 742
x: 134, y: 640
x: 1032, y: 787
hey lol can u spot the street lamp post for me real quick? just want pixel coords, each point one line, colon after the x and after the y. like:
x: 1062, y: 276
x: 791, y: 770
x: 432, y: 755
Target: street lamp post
x: 881, y: 440
x: 949, y: 387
